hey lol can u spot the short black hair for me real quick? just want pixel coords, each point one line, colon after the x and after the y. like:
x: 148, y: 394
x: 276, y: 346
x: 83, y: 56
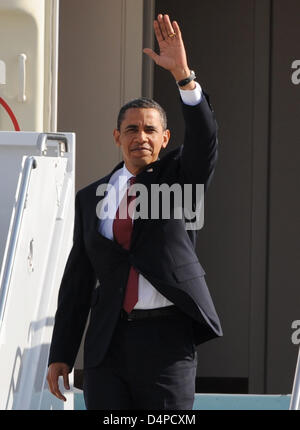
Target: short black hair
x: 142, y: 103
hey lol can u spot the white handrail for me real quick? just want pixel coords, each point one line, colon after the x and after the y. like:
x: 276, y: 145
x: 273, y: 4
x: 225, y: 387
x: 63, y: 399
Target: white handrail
x: 30, y: 163
x: 295, y: 398
x: 42, y: 142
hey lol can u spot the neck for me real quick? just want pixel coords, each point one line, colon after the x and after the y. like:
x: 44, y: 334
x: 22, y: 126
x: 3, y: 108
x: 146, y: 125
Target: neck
x: 135, y: 170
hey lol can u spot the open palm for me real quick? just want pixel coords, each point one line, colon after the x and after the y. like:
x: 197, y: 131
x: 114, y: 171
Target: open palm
x: 172, y: 55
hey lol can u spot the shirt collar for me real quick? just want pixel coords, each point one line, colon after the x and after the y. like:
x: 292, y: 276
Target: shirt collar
x: 125, y: 172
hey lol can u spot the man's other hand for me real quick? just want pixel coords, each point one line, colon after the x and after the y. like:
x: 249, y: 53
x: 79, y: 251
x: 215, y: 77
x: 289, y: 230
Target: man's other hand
x: 54, y: 372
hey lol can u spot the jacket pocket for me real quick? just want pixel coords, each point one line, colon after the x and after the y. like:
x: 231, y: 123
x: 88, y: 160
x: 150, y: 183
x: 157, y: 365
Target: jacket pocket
x: 188, y: 271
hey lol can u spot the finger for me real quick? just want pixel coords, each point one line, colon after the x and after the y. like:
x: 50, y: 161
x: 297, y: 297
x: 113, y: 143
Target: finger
x: 162, y: 26
x: 50, y: 383
x: 157, y: 32
x: 151, y: 54
x: 54, y: 388
x: 168, y: 25
x: 177, y: 29
x: 57, y: 393
x: 66, y: 380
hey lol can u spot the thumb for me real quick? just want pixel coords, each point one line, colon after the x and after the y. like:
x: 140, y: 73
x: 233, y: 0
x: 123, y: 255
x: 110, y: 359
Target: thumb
x: 151, y: 54
x: 66, y: 380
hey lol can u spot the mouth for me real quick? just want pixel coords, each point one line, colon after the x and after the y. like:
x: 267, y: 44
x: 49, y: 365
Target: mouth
x: 142, y: 149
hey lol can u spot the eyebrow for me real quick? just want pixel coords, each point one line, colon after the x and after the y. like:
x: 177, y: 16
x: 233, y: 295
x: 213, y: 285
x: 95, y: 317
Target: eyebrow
x: 135, y: 126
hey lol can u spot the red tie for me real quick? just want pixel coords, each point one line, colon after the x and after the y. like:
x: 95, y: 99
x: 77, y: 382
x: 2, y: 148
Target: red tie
x: 122, y: 229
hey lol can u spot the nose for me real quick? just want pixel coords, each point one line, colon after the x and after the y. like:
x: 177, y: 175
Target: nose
x: 141, y: 136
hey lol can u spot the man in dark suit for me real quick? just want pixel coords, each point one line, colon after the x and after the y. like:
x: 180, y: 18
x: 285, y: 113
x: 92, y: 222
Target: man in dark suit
x: 141, y: 280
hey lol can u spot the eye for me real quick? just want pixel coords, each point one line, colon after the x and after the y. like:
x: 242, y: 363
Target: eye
x: 131, y: 130
x: 150, y: 129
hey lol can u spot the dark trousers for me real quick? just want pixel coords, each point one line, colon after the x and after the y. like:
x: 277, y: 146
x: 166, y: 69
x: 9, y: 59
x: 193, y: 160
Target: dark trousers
x: 151, y: 364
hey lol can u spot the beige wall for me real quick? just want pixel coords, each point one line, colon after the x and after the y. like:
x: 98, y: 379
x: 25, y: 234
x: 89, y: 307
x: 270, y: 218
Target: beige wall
x: 100, y: 68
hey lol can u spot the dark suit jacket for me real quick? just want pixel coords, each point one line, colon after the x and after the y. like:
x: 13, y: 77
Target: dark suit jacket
x: 162, y: 250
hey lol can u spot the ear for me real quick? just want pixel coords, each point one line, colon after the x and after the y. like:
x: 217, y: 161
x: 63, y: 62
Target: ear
x: 166, y: 138
x: 116, y: 135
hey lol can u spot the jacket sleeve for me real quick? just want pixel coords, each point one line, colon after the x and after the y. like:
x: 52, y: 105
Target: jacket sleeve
x: 200, y: 150
x: 73, y: 299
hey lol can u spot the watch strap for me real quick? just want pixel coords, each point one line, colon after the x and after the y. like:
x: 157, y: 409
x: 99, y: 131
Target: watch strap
x: 187, y: 80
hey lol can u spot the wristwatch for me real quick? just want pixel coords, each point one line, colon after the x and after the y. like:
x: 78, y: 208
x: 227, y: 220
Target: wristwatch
x: 186, y: 81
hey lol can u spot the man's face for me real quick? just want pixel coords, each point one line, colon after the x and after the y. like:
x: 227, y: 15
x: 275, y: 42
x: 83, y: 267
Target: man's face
x: 141, y: 137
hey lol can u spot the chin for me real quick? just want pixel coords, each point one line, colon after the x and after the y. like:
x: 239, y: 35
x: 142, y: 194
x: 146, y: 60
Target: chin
x: 143, y: 160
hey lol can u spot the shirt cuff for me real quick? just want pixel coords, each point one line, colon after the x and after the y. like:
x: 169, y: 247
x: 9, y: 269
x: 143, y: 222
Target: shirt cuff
x: 191, y: 97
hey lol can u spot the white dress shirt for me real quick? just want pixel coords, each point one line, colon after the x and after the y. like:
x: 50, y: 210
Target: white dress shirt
x: 149, y: 296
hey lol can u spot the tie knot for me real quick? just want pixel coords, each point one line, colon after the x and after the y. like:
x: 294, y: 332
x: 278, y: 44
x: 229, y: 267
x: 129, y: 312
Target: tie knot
x: 132, y: 180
